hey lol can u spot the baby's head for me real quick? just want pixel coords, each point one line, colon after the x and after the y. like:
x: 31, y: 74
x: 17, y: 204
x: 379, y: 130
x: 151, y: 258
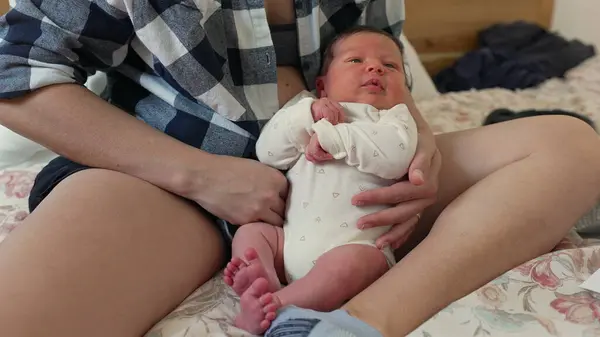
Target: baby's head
x: 363, y: 65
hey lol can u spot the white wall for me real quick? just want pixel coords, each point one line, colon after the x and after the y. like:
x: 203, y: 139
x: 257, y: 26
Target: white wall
x: 578, y: 19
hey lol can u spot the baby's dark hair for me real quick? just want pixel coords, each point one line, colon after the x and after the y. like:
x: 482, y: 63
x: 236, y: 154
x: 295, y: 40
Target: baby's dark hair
x: 328, y: 53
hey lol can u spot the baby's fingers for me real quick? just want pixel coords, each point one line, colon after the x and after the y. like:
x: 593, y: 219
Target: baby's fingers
x: 321, y: 155
x: 332, y: 112
x: 341, y: 113
x: 398, y: 234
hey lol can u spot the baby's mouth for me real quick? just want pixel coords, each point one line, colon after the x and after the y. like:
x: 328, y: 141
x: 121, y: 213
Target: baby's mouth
x: 374, y: 84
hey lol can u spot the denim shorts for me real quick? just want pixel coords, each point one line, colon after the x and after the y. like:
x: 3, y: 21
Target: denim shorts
x: 60, y: 168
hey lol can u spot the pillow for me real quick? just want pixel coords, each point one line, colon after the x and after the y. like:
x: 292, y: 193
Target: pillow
x: 423, y: 87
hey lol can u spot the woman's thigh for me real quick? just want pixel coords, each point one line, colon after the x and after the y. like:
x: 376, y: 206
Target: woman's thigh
x: 472, y: 155
x: 105, y: 254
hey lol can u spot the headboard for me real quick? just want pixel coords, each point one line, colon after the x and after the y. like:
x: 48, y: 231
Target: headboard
x: 442, y: 30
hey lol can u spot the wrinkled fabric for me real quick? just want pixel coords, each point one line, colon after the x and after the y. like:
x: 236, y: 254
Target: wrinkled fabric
x: 503, y: 115
x: 513, y: 56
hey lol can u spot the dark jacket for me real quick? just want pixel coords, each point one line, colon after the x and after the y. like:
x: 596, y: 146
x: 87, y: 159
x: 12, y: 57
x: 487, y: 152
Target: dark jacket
x: 513, y: 56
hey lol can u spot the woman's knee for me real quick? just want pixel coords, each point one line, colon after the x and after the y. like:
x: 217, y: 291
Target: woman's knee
x: 564, y: 134
x: 572, y: 148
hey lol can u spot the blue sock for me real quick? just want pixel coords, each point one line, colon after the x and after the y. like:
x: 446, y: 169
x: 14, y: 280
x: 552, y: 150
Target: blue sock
x: 297, y: 322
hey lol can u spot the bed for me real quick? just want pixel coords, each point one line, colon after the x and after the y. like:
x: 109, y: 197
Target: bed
x: 542, y: 297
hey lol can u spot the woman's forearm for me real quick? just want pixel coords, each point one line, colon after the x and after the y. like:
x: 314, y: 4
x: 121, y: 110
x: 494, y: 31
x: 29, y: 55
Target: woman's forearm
x: 73, y: 122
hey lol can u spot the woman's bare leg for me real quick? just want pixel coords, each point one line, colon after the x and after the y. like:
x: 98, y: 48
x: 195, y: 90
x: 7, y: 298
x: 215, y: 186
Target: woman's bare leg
x: 509, y: 192
x: 105, y: 254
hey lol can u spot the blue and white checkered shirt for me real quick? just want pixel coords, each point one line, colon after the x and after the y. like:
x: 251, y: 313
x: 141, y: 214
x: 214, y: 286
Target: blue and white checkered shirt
x: 202, y: 71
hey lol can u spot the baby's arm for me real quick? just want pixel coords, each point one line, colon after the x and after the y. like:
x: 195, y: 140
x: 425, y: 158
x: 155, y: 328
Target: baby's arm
x: 384, y: 148
x: 286, y: 135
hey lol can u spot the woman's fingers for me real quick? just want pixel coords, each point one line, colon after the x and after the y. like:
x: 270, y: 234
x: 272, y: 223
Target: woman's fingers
x: 272, y: 218
x: 419, y: 168
x: 390, y: 195
x: 278, y: 207
x: 398, y: 234
x: 393, y: 215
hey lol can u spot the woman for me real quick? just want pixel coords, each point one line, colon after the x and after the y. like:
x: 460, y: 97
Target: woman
x: 126, y: 229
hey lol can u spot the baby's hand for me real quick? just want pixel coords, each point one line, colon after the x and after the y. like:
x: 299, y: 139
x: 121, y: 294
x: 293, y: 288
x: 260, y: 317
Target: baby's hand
x: 328, y: 109
x: 314, y: 151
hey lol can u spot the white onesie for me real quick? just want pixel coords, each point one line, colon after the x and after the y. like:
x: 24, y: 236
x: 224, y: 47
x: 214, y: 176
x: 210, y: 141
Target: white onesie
x: 372, y: 149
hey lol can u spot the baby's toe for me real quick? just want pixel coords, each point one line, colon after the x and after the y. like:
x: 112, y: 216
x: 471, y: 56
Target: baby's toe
x: 266, y: 299
x: 272, y: 307
x: 270, y: 316
x: 264, y: 325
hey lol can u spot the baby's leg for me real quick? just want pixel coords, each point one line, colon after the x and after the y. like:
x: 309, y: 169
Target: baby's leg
x: 337, y: 276
x: 253, y: 274
x: 257, y: 252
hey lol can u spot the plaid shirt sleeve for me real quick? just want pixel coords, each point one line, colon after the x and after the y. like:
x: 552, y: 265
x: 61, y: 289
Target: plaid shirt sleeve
x: 44, y: 42
x: 388, y: 15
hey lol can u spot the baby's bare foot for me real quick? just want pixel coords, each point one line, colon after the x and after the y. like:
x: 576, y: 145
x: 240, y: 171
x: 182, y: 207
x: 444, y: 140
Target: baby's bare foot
x: 231, y: 270
x: 239, y: 275
x: 259, y: 308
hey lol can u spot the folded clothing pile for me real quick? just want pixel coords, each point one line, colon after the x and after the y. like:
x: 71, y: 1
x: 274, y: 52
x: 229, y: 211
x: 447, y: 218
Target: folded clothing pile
x: 513, y: 56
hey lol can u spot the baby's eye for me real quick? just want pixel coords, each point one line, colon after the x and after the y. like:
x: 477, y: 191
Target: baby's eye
x: 355, y: 60
x: 391, y: 65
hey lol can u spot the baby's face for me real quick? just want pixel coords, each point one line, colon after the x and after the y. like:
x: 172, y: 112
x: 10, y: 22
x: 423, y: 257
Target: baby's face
x: 366, y: 68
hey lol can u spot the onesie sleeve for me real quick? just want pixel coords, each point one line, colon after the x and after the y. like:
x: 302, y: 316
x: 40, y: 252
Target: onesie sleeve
x: 384, y: 148
x: 285, y: 137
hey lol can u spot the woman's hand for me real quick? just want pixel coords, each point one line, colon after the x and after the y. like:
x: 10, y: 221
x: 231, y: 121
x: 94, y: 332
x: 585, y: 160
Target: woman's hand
x: 410, y: 197
x: 241, y: 191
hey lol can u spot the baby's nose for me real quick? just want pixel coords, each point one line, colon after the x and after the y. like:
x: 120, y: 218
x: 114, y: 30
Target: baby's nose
x: 375, y: 68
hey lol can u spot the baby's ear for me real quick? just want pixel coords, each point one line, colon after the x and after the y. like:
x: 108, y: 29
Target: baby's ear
x: 320, y: 83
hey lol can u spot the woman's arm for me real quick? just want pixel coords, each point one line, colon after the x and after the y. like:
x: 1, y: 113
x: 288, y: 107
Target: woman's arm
x: 42, y: 70
x: 75, y: 123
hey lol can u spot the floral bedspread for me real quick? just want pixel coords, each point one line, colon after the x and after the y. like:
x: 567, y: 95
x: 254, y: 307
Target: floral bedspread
x: 539, y: 298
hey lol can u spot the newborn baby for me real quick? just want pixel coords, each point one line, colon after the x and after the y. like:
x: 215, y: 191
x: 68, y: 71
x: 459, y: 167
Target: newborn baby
x: 333, y: 151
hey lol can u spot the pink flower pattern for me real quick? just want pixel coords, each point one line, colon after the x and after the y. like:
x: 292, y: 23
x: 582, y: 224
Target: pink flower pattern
x: 581, y: 308
x: 15, y: 187
x: 540, y: 270
x: 17, y: 184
